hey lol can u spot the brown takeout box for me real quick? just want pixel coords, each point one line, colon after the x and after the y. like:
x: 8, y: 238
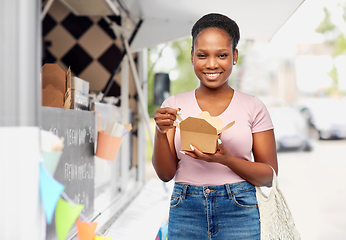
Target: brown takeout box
x: 201, y: 132
x: 56, y: 86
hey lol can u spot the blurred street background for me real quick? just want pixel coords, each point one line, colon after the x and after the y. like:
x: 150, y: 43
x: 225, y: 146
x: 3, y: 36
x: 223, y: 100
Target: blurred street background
x: 313, y: 185
x: 301, y: 77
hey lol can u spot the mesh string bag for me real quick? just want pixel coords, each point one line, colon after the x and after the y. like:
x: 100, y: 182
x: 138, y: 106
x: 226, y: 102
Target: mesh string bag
x: 275, y: 217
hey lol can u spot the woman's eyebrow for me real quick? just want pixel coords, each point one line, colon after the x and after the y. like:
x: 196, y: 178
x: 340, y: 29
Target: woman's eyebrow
x: 219, y: 50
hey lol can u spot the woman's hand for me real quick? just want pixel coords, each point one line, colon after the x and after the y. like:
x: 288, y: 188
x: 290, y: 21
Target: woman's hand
x: 164, y: 119
x: 258, y: 172
x: 222, y: 155
x: 164, y: 157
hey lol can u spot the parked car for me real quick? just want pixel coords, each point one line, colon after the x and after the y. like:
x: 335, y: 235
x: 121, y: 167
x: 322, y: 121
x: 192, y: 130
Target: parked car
x: 327, y: 116
x: 290, y: 128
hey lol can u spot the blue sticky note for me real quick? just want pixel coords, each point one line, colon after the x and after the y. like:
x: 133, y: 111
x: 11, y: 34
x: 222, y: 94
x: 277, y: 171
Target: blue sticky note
x: 164, y: 231
x: 50, y: 191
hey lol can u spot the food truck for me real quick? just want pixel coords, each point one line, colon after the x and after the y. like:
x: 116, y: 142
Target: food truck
x: 70, y: 68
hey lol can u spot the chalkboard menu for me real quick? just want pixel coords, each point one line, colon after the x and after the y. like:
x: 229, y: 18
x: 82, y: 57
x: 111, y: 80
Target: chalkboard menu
x: 76, y: 168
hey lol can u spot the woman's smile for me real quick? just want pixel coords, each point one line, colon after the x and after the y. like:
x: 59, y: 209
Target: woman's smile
x: 213, y: 76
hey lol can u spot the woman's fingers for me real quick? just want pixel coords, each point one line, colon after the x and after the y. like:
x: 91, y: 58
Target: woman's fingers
x: 196, y: 153
x: 220, y: 146
x: 164, y: 118
x: 219, y: 156
x: 168, y: 110
x: 166, y: 113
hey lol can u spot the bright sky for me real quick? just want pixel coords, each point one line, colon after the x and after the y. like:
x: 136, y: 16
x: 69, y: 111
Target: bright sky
x: 300, y: 28
x: 167, y: 60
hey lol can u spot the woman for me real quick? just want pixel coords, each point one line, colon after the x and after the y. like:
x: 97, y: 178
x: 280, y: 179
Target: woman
x: 214, y: 195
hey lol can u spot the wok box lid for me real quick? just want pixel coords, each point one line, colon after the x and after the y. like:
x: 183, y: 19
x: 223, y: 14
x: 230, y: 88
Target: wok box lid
x: 201, y: 132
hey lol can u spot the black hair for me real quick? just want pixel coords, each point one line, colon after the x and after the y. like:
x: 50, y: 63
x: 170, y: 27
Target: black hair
x: 216, y: 20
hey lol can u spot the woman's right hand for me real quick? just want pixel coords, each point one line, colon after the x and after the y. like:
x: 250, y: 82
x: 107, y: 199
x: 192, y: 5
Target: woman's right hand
x: 164, y: 118
x: 164, y: 156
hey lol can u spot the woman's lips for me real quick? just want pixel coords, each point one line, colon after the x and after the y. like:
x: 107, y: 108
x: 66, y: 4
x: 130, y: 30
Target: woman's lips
x: 212, y: 76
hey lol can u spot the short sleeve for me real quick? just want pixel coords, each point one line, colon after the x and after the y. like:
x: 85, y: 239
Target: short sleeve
x: 261, y: 118
x: 169, y: 102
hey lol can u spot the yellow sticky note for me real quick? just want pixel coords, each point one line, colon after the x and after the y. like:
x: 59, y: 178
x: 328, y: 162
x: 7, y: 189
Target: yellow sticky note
x: 102, y: 238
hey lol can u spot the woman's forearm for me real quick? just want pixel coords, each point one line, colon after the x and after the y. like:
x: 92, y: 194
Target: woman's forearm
x: 163, y: 159
x: 256, y: 173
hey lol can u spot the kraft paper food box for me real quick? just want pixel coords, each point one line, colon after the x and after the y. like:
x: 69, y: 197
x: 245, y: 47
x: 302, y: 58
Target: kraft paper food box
x: 56, y: 85
x: 61, y: 90
x: 201, y: 132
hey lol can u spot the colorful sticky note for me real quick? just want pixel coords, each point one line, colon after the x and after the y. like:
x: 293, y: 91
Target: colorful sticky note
x: 102, y: 238
x: 86, y: 230
x: 164, y: 231
x: 50, y: 191
x: 51, y: 160
x: 65, y: 215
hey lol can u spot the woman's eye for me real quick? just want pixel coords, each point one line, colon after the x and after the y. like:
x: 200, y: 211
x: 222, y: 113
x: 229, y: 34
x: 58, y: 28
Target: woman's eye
x: 200, y: 55
x: 223, y: 55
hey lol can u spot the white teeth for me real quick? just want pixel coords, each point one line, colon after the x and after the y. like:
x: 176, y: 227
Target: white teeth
x: 212, y: 74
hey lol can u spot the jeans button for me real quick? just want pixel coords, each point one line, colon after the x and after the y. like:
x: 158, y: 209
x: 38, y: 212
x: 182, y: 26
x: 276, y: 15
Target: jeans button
x: 207, y: 190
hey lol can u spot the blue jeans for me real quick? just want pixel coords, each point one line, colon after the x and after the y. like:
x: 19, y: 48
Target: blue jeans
x: 224, y: 212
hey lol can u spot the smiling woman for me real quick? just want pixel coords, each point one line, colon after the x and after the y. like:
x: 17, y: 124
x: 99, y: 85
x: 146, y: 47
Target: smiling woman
x: 206, y: 183
x: 213, y: 58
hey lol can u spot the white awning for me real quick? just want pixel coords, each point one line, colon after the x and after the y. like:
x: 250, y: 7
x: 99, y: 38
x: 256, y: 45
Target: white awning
x: 167, y: 20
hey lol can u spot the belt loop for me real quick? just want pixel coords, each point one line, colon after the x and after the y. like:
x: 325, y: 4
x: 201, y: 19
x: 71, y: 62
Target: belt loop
x: 229, y: 192
x: 184, y: 190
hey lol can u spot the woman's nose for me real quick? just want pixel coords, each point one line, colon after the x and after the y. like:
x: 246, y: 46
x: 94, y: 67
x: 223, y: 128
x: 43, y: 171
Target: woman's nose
x: 212, y: 63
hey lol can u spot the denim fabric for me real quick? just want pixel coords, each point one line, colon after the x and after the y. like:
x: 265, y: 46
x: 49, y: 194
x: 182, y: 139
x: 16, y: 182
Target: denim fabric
x: 224, y: 212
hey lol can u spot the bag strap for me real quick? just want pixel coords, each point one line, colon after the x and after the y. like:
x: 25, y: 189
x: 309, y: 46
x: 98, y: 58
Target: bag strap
x: 274, y: 186
x: 274, y: 181
x: 261, y: 197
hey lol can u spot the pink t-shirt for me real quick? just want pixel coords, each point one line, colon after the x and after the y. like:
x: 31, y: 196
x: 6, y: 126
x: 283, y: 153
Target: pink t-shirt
x: 250, y: 116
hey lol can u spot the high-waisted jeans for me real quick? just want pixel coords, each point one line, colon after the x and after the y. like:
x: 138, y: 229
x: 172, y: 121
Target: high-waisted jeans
x: 225, y: 212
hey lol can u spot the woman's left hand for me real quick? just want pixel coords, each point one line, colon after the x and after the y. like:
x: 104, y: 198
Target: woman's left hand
x: 220, y: 156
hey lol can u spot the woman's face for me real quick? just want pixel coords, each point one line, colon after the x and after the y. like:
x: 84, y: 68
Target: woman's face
x: 212, y: 57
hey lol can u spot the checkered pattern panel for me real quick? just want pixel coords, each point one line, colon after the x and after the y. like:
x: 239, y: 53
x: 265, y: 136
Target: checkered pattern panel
x: 86, y: 44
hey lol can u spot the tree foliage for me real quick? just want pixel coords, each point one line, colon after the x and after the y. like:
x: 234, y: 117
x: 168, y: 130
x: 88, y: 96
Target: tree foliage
x: 326, y: 25
x: 184, y: 77
x: 334, y: 37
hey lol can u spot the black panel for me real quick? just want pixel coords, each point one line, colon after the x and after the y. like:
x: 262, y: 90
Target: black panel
x: 77, y: 58
x: 104, y: 25
x: 77, y: 26
x: 48, y: 57
x: 114, y: 90
x: 161, y: 87
x: 48, y: 24
x: 116, y: 19
x: 111, y: 58
x: 76, y: 167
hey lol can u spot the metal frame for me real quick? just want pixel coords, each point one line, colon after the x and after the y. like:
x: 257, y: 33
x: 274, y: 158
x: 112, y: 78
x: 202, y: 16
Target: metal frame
x: 120, y: 32
x: 20, y: 94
